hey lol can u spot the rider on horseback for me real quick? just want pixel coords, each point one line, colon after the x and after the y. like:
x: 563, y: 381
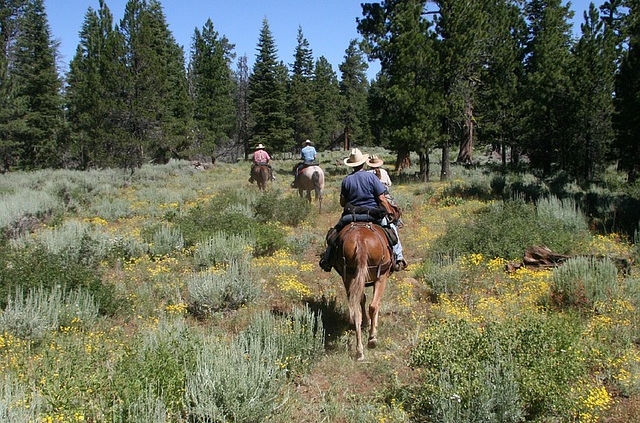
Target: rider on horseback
x: 261, y: 157
x: 308, y: 156
x: 362, y: 190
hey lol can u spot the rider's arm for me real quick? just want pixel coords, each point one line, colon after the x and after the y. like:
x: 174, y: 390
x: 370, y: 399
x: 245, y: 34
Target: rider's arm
x: 382, y: 202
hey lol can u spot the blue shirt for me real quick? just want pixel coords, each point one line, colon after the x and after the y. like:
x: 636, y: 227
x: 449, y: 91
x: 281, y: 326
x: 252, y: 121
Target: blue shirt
x: 362, y: 188
x: 308, y: 153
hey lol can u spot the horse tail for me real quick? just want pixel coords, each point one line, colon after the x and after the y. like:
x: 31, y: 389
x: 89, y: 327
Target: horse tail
x: 318, y: 185
x: 356, y: 290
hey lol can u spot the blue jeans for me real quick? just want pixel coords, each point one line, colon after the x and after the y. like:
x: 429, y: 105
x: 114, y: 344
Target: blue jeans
x: 397, y: 249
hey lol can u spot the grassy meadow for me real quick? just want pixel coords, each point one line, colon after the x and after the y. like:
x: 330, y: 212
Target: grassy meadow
x: 172, y: 294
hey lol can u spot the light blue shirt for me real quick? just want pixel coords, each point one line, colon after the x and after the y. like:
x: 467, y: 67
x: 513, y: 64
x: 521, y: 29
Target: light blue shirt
x: 308, y: 153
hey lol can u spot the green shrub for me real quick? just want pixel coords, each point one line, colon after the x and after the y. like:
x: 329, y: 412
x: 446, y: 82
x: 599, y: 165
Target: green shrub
x: 221, y: 249
x: 240, y: 382
x: 584, y: 282
x: 156, y: 368
x: 269, y: 239
x: 214, y: 291
x: 566, y: 212
x: 246, y: 380
x: 299, y: 337
x: 44, y: 310
x: 291, y: 210
x: 166, y: 241
x: 442, y: 274
x: 33, y: 267
x: 19, y: 403
x: 524, y: 367
x: 506, y: 229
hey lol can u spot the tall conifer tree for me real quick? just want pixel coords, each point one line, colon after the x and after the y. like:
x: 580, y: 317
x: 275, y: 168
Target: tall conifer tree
x: 268, y: 96
x: 37, y: 101
x: 212, y: 89
x: 354, y: 88
x: 327, y: 104
x: 549, y: 106
x: 94, y: 94
x: 156, y: 84
x: 301, y: 94
x: 593, y: 76
x: 10, y: 14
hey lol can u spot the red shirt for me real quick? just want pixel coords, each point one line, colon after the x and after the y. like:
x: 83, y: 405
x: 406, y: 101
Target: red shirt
x: 261, y: 156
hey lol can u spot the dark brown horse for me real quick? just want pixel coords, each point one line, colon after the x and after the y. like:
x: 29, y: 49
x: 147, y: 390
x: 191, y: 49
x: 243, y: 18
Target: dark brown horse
x: 363, y: 258
x: 261, y: 174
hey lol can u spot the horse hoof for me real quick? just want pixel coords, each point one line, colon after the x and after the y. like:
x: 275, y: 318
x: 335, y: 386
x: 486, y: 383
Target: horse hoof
x: 373, y: 342
x: 360, y: 357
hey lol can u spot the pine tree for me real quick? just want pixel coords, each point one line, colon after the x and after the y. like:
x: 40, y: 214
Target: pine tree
x: 301, y: 94
x: 243, y: 115
x: 354, y: 88
x: 94, y: 95
x: 499, y: 107
x: 462, y: 31
x: 156, y: 85
x: 10, y: 13
x: 627, y: 97
x: 327, y: 104
x: 549, y: 107
x: 37, y: 102
x: 268, y: 96
x: 406, y: 101
x: 212, y: 89
x: 593, y: 76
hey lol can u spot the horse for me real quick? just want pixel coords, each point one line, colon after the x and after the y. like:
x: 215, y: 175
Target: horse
x: 311, y: 178
x: 363, y: 257
x: 261, y: 174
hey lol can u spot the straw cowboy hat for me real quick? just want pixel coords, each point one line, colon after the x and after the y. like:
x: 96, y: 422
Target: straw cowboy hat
x: 356, y: 158
x: 260, y: 147
x: 307, y: 142
x: 374, y: 161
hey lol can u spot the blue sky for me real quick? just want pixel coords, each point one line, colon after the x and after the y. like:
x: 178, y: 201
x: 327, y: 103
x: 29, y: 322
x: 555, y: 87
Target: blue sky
x: 328, y: 25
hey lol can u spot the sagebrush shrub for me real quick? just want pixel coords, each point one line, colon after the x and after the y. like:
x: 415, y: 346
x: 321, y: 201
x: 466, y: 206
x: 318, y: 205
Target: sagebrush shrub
x: 585, y: 281
x: 215, y: 290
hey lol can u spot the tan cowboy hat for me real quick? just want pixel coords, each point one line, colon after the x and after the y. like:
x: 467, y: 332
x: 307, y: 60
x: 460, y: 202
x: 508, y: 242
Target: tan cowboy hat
x: 374, y: 161
x: 356, y: 158
x: 307, y: 142
x: 259, y: 146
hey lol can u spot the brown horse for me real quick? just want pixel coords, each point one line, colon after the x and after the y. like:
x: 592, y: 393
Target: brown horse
x: 260, y: 174
x: 311, y: 178
x: 363, y: 257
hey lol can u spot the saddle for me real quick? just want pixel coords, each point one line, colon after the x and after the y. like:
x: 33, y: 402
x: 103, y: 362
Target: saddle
x: 372, y: 216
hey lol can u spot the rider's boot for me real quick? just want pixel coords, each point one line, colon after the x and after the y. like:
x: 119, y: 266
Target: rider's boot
x: 325, y: 261
x: 400, y: 264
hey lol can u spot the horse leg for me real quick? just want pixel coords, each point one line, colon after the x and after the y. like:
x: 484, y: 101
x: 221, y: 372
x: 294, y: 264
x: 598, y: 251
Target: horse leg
x: 366, y: 321
x: 374, y: 310
x: 355, y: 315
